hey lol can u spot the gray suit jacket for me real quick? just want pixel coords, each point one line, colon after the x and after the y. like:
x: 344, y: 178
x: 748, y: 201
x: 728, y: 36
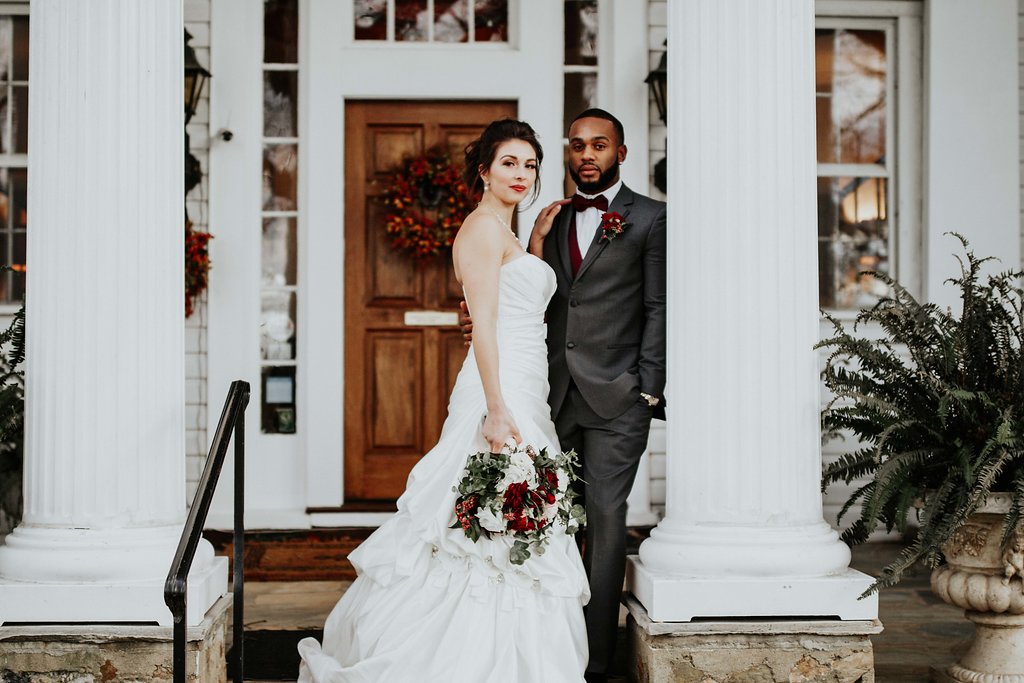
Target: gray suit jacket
x: 606, y: 326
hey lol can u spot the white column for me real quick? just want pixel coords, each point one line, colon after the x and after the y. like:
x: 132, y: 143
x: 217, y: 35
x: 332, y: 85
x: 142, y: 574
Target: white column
x: 104, y: 447
x: 743, y: 533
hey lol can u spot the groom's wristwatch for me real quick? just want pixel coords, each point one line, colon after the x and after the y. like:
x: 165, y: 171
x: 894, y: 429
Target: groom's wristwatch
x: 651, y: 400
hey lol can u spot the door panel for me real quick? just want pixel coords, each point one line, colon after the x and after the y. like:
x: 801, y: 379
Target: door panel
x: 397, y: 377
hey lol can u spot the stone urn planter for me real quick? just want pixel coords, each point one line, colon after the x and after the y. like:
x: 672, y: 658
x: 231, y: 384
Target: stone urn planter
x: 987, y: 583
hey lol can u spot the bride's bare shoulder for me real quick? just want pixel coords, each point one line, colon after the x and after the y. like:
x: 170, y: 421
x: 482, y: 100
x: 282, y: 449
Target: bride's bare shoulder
x: 479, y: 232
x: 479, y: 225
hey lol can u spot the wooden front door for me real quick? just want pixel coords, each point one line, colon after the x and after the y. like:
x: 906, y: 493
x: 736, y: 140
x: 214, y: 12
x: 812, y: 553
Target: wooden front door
x: 399, y: 369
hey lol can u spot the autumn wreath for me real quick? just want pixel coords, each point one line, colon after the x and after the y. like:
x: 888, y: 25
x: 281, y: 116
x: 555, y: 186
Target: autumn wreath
x: 197, y: 264
x: 426, y: 204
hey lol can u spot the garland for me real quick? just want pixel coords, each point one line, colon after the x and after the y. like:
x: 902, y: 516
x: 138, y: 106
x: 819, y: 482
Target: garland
x: 427, y: 203
x: 197, y: 264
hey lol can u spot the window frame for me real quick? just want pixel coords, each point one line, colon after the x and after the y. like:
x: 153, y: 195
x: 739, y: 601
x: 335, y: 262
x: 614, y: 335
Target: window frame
x: 904, y: 127
x: 389, y: 40
x: 887, y: 170
x: 268, y: 366
x: 9, y: 308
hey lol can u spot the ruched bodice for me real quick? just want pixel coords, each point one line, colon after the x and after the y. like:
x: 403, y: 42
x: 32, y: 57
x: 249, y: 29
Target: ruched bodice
x: 424, y: 588
x: 526, y: 285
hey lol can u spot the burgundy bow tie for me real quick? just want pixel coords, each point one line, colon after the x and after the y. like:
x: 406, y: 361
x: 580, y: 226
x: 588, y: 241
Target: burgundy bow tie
x: 581, y: 203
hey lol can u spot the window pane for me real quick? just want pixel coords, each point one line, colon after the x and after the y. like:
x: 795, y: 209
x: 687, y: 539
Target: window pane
x: 859, y: 100
x: 280, y: 103
x: 277, y: 409
x: 280, y: 31
x: 581, y: 32
x: 20, y: 52
x: 853, y: 231
x: 277, y: 326
x: 279, y: 251
x: 6, y: 47
x: 411, y: 20
x: 12, y: 233
x: 580, y: 94
x: 19, y: 119
x: 6, y: 279
x: 6, y: 139
x: 451, y: 21
x: 18, y: 261
x: 280, y: 182
x: 370, y: 18
x: 491, y: 20
x: 824, y: 51
x: 18, y: 198
x: 827, y: 138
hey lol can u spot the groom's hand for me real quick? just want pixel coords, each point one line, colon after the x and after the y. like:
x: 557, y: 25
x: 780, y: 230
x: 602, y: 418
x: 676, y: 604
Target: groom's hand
x: 542, y: 226
x: 466, y: 323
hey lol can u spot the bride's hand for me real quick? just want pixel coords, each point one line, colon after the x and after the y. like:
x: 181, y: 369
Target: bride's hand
x: 499, y: 428
x: 542, y: 226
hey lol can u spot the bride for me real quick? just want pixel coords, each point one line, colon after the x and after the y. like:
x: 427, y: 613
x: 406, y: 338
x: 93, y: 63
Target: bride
x: 430, y: 604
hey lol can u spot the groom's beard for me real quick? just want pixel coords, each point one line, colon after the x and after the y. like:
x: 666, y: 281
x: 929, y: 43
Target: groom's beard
x: 604, y: 181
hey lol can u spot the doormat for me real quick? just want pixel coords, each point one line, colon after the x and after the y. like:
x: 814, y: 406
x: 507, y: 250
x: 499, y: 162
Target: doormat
x: 318, y: 554
x: 304, y: 555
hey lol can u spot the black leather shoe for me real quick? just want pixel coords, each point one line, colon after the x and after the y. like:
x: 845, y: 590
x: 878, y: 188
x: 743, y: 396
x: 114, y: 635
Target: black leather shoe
x: 595, y: 678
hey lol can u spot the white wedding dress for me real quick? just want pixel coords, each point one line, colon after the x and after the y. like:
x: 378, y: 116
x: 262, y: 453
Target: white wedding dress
x: 430, y: 605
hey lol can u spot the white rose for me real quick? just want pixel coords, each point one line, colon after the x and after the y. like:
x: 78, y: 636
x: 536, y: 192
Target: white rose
x: 491, y: 521
x: 563, y: 481
x: 520, y: 469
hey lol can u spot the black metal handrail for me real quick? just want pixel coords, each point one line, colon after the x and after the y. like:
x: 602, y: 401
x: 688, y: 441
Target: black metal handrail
x: 232, y: 422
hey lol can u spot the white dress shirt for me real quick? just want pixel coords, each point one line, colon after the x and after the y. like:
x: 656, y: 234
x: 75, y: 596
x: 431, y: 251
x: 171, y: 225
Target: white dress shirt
x: 587, y: 222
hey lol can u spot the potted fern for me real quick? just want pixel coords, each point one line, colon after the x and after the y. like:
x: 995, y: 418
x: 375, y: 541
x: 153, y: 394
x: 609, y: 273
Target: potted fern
x: 12, y: 416
x: 936, y: 401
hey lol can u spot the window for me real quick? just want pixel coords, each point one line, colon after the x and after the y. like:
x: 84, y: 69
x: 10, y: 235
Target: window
x: 279, y: 214
x: 854, y: 88
x: 13, y: 149
x: 579, y: 66
x: 431, y: 21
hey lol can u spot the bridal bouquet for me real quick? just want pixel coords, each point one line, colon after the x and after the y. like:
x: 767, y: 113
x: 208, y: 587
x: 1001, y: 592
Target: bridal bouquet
x: 519, y: 493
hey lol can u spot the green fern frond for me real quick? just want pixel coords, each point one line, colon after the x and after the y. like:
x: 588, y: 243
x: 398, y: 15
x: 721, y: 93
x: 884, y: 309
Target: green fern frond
x: 936, y: 401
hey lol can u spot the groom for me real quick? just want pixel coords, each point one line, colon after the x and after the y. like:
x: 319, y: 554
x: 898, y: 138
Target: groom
x: 606, y: 348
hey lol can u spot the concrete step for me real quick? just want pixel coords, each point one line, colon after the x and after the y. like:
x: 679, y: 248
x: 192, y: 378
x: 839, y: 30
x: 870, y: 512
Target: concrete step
x: 920, y: 630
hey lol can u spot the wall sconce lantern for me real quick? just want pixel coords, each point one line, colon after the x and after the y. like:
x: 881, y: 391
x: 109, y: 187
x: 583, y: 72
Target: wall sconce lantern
x: 195, y: 79
x: 657, y: 81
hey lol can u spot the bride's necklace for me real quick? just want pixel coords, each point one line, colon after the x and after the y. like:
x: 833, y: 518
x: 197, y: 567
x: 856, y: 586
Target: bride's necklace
x: 502, y: 221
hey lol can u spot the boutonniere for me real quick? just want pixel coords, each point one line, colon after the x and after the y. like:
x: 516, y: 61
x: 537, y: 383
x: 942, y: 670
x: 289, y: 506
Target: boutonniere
x: 612, y: 225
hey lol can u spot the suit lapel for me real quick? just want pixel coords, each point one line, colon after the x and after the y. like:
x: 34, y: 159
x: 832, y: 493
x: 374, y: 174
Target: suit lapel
x: 621, y: 204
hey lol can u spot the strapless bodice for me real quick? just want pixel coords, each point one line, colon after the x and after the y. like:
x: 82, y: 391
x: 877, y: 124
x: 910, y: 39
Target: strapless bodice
x: 526, y: 285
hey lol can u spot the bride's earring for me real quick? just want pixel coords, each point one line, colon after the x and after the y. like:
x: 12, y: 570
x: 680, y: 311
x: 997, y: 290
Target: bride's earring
x: 487, y: 186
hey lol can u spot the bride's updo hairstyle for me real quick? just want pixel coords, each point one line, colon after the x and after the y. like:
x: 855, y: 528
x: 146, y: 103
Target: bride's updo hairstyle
x: 481, y: 152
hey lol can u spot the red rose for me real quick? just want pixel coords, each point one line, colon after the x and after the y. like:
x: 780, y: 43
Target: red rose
x: 612, y: 225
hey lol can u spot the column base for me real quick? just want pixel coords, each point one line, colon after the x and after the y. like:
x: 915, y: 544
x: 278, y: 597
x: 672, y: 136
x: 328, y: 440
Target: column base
x: 94, y: 602
x: 681, y: 598
x: 777, y: 651
x: 122, y: 653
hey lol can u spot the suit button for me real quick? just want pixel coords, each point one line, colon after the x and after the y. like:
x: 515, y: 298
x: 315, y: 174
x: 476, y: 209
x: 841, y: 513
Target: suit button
x: 573, y: 303
x: 571, y: 345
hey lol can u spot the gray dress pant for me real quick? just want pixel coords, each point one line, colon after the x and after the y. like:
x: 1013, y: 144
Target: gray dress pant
x: 610, y: 452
